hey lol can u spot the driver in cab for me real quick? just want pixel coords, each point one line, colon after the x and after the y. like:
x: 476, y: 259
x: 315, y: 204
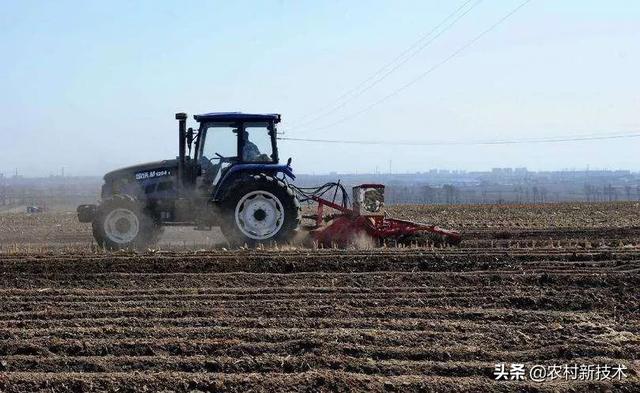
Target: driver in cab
x: 250, y: 151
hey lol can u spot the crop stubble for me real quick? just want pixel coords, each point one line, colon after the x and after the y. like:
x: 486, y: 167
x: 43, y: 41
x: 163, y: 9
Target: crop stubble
x: 404, y: 319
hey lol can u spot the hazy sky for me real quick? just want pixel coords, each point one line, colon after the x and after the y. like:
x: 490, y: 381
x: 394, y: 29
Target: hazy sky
x: 94, y: 85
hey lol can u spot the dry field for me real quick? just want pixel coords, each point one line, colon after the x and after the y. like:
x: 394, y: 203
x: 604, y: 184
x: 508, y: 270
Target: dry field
x: 540, y: 284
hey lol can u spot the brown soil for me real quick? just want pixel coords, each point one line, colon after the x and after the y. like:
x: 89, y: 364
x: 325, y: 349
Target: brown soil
x: 391, y: 319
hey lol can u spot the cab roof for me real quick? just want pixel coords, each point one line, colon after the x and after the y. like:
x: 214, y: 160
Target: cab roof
x: 237, y: 116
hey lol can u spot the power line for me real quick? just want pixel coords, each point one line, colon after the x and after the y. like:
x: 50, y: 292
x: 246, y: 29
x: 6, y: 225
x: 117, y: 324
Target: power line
x: 385, y: 71
x: 383, y: 68
x: 427, y: 72
x: 588, y: 137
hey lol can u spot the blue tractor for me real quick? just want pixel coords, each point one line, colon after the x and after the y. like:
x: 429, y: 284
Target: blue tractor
x: 227, y: 174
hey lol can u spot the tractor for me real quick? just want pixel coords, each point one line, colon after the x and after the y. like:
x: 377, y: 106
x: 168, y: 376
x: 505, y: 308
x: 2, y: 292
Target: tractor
x: 228, y: 174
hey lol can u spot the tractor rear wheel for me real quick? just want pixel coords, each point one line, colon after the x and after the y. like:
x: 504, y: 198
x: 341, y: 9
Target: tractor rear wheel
x: 122, y: 223
x: 259, y: 209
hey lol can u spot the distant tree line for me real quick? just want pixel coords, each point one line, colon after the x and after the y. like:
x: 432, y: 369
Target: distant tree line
x: 400, y: 189
x: 453, y: 194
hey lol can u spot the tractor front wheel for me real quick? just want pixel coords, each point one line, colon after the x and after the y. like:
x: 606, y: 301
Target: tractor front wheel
x: 122, y: 223
x: 259, y: 209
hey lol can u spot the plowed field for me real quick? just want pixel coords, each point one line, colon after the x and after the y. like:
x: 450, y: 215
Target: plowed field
x: 393, y: 319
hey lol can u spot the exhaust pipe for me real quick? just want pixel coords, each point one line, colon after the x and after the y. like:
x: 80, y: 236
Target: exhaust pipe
x: 182, y: 129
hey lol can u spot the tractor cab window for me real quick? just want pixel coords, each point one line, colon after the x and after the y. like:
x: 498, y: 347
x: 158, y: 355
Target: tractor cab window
x: 256, y: 146
x: 220, y: 151
x: 220, y: 143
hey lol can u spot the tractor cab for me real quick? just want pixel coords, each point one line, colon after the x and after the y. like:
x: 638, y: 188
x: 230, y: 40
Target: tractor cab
x: 227, y: 139
x: 224, y: 144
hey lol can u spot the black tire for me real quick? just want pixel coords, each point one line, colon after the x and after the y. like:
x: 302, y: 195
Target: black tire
x: 112, y: 237
x: 243, y: 187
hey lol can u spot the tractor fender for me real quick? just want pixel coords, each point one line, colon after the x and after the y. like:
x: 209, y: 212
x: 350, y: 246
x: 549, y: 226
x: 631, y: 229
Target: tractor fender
x: 241, y: 169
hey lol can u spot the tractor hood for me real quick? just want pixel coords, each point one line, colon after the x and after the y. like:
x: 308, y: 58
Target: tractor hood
x: 143, y: 171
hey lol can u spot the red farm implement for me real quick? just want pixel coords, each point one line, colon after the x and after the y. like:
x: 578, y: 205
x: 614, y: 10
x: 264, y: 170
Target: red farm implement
x: 366, y: 220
